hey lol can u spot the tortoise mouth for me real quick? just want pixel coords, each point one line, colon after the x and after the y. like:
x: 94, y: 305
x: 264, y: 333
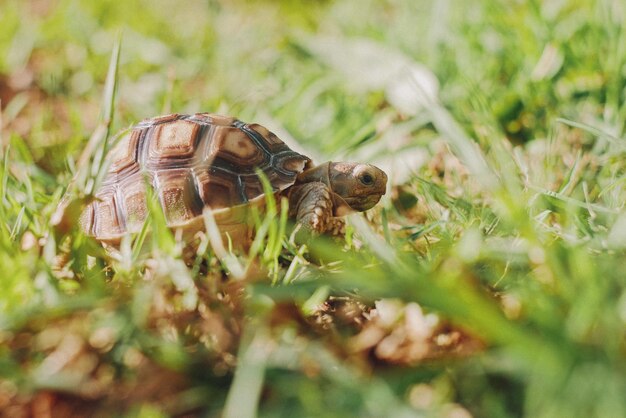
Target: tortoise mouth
x: 363, y: 203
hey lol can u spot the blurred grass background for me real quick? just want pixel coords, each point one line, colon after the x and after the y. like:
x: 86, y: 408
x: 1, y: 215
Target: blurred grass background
x: 489, y: 282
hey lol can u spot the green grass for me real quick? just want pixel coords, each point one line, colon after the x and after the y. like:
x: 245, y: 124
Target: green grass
x: 501, y: 125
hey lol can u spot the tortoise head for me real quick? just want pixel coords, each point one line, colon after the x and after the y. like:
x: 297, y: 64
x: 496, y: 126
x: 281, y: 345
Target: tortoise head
x: 360, y: 186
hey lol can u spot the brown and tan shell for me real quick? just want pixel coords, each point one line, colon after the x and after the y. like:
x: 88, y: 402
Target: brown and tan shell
x: 192, y: 162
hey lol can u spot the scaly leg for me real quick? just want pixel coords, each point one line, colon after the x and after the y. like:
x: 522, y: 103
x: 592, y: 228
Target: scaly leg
x: 311, y: 205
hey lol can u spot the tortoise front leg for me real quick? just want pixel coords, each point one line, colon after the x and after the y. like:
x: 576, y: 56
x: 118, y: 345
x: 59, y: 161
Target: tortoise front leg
x: 311, y: 205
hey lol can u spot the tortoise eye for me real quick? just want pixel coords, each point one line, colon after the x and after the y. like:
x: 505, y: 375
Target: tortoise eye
x: 367, y: 179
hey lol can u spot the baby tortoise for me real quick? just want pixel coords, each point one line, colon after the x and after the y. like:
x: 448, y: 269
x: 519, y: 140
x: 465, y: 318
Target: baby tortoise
x: 209, y: 162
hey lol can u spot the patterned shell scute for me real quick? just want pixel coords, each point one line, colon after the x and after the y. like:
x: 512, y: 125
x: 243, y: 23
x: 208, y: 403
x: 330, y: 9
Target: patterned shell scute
x: 191, y: 162
x: 234, y: 147
x: 173, y: 140
x: 123, y: 156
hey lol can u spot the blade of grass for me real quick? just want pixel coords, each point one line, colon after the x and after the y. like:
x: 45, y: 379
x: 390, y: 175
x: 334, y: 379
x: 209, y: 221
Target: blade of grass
x: 618, y: 142
x: 244, y: 394
x: 92, y: 162
x: 228, y: 259
x: 5, y: 176
x: 162, y: 238
x: 574, y: 202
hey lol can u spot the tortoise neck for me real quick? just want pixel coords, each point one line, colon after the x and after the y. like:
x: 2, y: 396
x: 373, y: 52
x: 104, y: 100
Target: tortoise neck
x: 319, y: 173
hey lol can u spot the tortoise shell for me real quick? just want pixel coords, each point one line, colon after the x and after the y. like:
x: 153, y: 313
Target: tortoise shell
x: 192, y: 162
